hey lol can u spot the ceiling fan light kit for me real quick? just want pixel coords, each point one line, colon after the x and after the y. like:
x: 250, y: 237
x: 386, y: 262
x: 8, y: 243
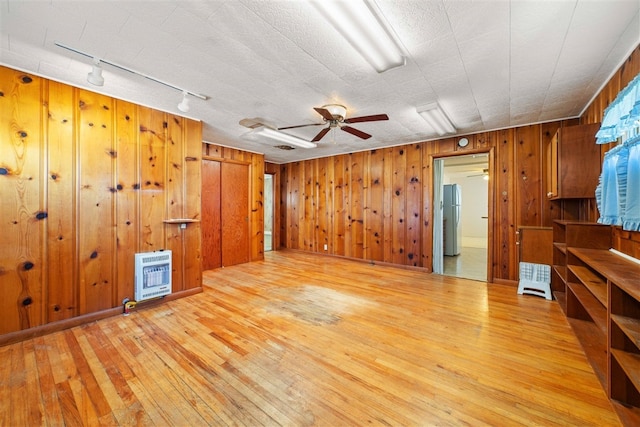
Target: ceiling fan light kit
x: 276, y: 135
x: 364, y: 27
x: 437, y: 119
x: 335, y: 115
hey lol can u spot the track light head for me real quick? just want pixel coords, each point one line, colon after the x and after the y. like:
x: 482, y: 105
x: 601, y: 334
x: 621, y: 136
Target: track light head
x: 95, y: 76
x: 184, y: 104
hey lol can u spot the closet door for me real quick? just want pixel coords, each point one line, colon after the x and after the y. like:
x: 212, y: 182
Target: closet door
x: 235, y: 213
x: 211, y: 221
x: 225, y: 214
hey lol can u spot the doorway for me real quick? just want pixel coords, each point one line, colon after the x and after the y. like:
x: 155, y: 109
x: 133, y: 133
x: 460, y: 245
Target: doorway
x: 461, y: 190
x: 268, y: 212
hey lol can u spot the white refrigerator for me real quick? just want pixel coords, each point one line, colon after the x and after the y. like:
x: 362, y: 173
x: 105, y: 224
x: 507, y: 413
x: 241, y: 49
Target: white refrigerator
x: 452, y: 203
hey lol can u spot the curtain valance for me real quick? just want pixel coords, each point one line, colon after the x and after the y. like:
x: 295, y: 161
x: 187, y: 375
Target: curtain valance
x: 622, y: 115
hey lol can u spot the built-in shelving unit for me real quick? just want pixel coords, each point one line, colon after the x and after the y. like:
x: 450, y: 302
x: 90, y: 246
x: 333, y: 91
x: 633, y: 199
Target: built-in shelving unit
x: 602, y: 303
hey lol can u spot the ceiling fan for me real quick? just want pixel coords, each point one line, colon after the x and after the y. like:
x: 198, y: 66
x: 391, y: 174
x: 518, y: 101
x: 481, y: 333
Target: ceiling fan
x: 484, y: 174
x: 335, y: 115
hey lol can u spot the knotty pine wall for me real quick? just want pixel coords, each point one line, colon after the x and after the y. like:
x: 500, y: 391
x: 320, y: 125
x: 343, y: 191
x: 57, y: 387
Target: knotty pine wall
x: 256, y: 165
x: 376, y: 205
x: 85, y: 182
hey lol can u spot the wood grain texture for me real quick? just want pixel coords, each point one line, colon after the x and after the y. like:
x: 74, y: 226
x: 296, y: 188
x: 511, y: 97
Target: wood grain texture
x: 21, y: 210
x: 62, y: 298
x: 288, y: 341
x: 96, y: 189
x: 77, y: 202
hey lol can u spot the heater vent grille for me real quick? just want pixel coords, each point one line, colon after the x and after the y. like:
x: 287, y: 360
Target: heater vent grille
x: 152, y: 275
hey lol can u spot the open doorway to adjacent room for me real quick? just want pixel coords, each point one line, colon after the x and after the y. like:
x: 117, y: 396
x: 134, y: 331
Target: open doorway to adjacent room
x: 461, y: 189
x: 268, y: 212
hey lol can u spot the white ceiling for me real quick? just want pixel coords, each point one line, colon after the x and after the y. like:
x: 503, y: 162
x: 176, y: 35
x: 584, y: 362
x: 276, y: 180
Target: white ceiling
x: 490, y: 64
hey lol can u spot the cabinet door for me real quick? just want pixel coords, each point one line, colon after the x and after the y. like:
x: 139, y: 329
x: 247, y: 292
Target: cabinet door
x: 536, y: 245
x: 575, y: 163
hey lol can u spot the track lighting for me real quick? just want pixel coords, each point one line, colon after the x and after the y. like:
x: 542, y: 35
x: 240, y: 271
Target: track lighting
x: 184, y: 105
x: 95, y: 76
x: 437, y: 119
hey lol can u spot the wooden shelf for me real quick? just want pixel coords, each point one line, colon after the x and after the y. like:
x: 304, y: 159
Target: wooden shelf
x: 630, y: 326
x: 590, y: 304
x: 630, y: 364
x: 591, y: 281
x: 595, y: 346
x: 562, y: 247
x: 180, y: 220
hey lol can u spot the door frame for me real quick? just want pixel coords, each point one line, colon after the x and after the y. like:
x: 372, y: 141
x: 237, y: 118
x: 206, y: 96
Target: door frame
x: 490, y: 201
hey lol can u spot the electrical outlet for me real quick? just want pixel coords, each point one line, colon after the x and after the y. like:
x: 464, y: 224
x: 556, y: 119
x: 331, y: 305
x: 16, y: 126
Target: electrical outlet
x: 326, y: 246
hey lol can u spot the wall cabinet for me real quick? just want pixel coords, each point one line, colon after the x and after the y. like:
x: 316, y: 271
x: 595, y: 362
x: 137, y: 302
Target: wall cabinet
x: 574, y: 163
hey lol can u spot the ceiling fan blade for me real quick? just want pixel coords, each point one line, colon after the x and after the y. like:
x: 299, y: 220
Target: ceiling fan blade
x: 321, y: 134
x: 301, y: 126
x: 324, y: 113
x: 356, y: 132
x: 374, y: 118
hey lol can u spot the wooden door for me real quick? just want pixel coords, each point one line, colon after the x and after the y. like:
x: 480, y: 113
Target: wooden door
x: 211, y: 221
x: 225, y: 214
x: 234, y: 209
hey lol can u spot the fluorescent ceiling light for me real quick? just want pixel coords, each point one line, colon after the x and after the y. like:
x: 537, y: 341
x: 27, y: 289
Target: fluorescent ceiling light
x: 437, y: 119
x: 362, y: 24
x: 283, y: 137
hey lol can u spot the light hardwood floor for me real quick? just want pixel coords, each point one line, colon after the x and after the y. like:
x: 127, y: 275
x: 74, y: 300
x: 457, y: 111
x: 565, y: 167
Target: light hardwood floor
x: 301, y: 340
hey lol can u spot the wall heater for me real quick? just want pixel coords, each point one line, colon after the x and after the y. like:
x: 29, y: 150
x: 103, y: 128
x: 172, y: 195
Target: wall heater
x: 152, y: 275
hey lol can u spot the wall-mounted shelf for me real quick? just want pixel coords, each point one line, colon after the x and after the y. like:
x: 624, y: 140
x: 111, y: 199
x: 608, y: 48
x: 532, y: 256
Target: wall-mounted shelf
x: 180, y: 220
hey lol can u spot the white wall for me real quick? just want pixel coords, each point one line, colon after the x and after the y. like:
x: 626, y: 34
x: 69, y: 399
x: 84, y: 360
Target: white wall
x: 475, y: 202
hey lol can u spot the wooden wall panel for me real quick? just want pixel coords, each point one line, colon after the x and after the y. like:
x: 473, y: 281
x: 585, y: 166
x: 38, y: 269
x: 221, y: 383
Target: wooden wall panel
x: 192, y: 167
x: 127, y: 207
x: 62, y: 300
x: 356, y: 215
x: 21, y: 213
x: 374, y: 207
x: 72, y: 191
x: 398, y: 204
x: 153, y: 135
x: 96, y: 224
x: 340, y: 189
x: 256, y: 197
x: 504, y: 218
x: 528, y: 175
x: 413, y: 205
x: 322, y: 205
x: 175, y: 195
x: 309, y: 214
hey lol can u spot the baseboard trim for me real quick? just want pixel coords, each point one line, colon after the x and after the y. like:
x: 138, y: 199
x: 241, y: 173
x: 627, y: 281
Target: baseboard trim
x: 18, y: 336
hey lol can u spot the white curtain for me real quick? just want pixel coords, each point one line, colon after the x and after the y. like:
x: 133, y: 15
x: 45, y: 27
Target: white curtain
x: 618, y: 193
x: 438, y: 251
